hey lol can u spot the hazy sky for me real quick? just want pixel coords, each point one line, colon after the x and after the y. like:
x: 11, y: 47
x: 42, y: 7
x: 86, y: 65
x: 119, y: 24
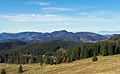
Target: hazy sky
x: 50, y: 15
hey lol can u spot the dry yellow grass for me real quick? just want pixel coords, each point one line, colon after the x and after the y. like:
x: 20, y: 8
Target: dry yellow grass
x: 104, y: 65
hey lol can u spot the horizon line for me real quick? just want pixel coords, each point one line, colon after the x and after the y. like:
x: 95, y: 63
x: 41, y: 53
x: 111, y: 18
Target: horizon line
x: 98, y: 32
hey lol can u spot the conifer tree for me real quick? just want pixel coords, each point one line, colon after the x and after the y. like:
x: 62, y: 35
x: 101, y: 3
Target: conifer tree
x: 68, y: 60
x: 73, y: 56
x: 110, y: 48
x: 58, y: 59
x: 20, y: 70
x: 94, y: 58
x: 41, y: 61
x: 3, y: 71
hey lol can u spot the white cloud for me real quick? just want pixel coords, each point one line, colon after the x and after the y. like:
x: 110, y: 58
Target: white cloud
x: 95, y: 19
x: 98, y: 13
x: 57, y: 19
x: 57, y: 9
x: 36, y: 18
x: 39, y: 3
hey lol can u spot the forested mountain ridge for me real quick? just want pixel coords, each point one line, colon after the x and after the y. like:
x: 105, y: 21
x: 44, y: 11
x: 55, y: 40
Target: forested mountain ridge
x: 58, y: 51
x: 10, y: 44
x: 56, y: 35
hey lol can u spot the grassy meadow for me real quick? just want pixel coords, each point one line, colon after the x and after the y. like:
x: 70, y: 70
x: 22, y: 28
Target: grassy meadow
x: 104, y: 65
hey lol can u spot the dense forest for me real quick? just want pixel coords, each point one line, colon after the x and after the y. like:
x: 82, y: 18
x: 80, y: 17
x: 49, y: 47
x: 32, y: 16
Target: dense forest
x: 58, y: 51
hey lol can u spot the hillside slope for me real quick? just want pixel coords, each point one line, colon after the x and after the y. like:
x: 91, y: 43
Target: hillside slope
x: 105, y: 65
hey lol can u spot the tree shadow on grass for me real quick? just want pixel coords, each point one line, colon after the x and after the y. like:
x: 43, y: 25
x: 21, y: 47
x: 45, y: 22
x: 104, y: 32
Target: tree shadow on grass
x: 26, y: 70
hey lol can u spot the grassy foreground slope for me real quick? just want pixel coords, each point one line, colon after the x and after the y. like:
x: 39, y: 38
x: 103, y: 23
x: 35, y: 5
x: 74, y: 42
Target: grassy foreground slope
x: 105, y: 65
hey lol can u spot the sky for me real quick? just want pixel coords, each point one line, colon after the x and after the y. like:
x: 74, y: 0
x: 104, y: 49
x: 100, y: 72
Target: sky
x: 53, y: 15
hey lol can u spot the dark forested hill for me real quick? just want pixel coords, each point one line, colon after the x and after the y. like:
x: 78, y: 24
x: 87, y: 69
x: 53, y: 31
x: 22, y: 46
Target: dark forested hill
x: 56, y: 35
x: 9, y: 44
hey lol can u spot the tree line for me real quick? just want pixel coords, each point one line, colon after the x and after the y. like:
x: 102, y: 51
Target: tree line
x: 56, y: 52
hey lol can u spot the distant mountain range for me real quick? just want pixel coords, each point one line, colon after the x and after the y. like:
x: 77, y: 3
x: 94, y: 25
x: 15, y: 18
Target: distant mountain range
x: 109, y: 32
x: 56, y: 35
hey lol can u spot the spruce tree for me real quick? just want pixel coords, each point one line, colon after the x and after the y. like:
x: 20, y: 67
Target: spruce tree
x: 82, y: 52
x: 41, y: 61
x: 51, y: 60
x: 73, y: 56
x: 104, y: 49
x: 3, y: 71
x: 68, y: 60
x: 94, y: 58
x: 58, y: 59
x: 110, y: 48
x: 20, y: 70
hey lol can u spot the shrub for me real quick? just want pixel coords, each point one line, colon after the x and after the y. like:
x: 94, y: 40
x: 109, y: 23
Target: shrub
x: 94, y: 58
